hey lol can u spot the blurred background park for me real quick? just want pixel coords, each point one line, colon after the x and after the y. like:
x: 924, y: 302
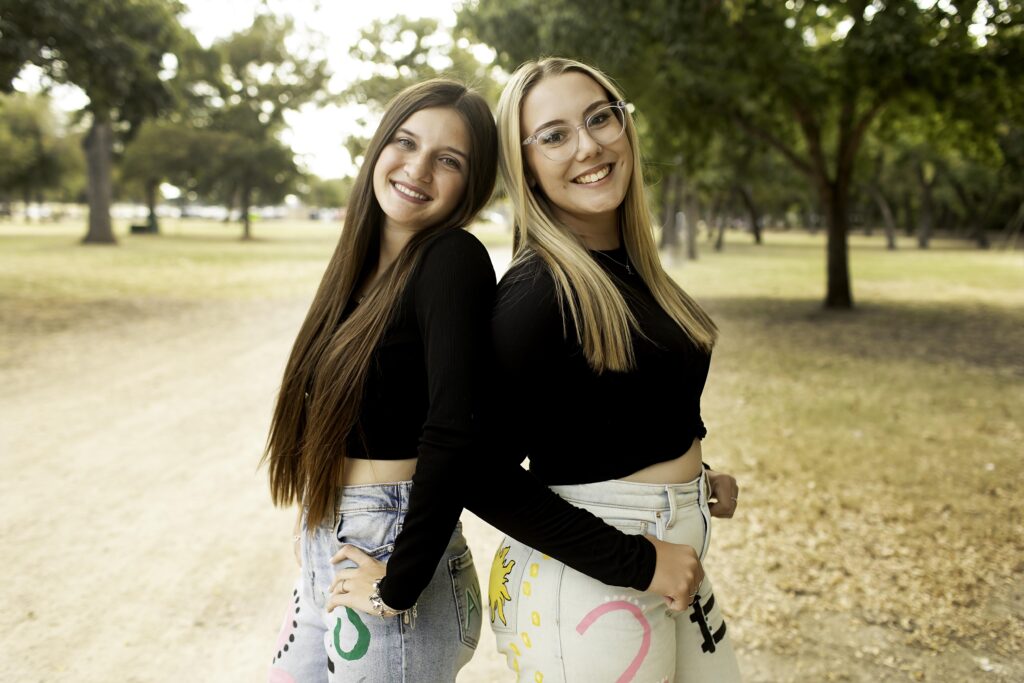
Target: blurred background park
x: 840, y: 182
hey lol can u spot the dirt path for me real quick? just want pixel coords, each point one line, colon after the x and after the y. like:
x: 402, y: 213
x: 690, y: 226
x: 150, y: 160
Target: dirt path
x: 139, y: 541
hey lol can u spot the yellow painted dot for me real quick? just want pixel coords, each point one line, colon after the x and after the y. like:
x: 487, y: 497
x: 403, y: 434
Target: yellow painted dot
x: 535, y: 618
x: 515, y: 665
x: 514, y: 648
x: 539, y: 677
x: 526, y: 639
x: 526, y: 588
x: 544, y: 557
x: 534, y: 568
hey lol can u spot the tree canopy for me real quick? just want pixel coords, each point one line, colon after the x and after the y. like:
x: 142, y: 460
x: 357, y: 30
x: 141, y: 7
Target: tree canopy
x: 121, y: 54
x: 807, y: 78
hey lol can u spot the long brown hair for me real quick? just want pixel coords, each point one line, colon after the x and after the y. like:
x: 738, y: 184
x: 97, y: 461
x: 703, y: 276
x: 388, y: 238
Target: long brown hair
x: 599, y: 313
x: 317, y: 410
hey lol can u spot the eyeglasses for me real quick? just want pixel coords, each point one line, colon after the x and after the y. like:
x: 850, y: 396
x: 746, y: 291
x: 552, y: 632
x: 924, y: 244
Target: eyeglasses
x: 604, y: 126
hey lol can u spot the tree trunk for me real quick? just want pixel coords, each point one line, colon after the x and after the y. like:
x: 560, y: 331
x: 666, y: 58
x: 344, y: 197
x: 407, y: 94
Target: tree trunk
x: 752, y: 212
x: 887, y: 218
x: 687, y: 202
x: 908, y: 215
x: 834, y: 200
x: 98, y: 145
x: 720, y: 238
x: 927, y: 218
x: 246, y: 197
x: 976, y: 218
x: 1013, y: 228
x: 689, y: 216
x: 670, y: 201
x: 716, y: 205
x: 230, y: 204
x: 151, y: 194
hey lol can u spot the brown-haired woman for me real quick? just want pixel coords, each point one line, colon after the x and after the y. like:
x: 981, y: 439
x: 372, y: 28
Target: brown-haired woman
x: 379, y: 406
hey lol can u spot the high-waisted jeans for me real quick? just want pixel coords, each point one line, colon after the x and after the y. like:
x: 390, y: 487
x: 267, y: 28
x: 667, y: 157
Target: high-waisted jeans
x: 348, y: 645
x: 556, y: 625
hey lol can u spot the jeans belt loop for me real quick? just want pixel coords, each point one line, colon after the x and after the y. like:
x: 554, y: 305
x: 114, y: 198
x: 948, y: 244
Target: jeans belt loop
x: 672, y: 509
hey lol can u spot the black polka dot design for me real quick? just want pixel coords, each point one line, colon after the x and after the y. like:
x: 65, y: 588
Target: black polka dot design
x: 291, y: 636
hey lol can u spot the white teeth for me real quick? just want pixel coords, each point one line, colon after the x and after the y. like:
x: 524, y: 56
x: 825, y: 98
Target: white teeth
x: 593, y: 177
x: 410, y: 193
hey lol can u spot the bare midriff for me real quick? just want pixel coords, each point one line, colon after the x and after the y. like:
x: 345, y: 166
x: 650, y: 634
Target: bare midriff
x: 361, y: 471
x: 676, y: 471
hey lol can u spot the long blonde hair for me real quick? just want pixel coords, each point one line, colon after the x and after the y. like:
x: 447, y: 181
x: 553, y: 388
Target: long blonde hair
x: 602, y: 320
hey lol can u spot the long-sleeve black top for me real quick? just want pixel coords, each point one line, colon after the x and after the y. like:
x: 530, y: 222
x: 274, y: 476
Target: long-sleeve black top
x: 578, y: 426
x: 422, y: 399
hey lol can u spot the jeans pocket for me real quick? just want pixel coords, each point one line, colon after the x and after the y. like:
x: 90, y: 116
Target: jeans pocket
x: 372, y: 531
x: 627, y: 526
x: 466, y: 591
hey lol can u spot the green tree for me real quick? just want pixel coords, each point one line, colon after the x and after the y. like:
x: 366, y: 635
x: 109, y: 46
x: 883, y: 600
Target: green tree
x: 167, y: 151
x: 117, y: 52
x: 403, y: 51
x: 40, y: 155
x: 261, y: 79
x: 326, y: 193
x: 808, y: 78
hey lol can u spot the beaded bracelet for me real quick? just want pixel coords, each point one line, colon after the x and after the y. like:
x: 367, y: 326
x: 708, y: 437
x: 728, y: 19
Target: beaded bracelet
x: 382, y: 610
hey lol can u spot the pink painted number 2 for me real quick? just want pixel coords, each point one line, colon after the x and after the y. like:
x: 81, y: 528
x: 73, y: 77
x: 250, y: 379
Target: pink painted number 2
x: 645, y: 643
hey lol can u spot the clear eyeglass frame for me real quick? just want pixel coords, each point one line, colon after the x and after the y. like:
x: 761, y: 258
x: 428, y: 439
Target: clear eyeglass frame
x: 563, y: 151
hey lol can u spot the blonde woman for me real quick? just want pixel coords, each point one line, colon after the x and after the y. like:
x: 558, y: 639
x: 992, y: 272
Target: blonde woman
x: 602, y: 360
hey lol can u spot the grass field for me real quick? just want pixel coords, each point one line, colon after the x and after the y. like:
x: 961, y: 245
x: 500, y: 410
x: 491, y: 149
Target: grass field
x: 878, y: 450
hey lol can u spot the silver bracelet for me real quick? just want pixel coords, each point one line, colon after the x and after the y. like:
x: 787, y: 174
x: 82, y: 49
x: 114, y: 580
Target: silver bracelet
x: 380, y: 607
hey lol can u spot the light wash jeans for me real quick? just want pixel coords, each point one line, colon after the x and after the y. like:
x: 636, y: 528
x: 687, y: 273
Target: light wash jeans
x: 347, y: 645
x: 556, y: 625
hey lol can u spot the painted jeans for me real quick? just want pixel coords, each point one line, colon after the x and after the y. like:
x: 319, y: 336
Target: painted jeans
x: 348, y: 645
x: 556, y: 625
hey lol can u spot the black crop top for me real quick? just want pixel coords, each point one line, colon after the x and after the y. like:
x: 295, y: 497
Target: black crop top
x: 577, y: 426
x: 422, y: 399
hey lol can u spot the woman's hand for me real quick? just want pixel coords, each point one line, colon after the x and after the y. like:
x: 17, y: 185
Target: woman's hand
x: 353, y: 586
x: 725, y: 493
x: 678, y: 574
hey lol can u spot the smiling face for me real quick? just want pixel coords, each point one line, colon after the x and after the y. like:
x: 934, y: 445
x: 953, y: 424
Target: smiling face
x: 421, y: 174
x: 586, y: 190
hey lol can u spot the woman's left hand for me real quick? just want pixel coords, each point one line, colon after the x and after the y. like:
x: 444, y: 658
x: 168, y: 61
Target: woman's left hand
x: 725, y: 492
x: 353, y: 586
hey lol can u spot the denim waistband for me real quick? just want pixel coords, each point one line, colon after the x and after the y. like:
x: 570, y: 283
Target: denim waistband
x: 389, y: 497
x: 636, y: 495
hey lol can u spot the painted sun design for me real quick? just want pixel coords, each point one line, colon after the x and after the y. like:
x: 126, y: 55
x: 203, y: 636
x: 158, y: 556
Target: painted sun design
x: 497, y: 592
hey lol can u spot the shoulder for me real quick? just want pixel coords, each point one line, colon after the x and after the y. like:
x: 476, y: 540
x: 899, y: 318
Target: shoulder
x: 527, y: 301
x: 528, y: 282
x: 454, y: 264
x: 456, y: 248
